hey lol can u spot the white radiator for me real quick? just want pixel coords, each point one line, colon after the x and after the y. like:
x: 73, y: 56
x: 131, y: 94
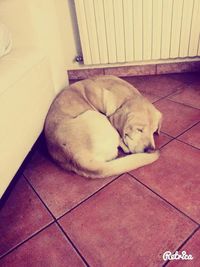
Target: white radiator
x: 119, y: 31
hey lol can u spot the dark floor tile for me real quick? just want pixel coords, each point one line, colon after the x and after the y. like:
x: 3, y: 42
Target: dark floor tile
x: 136, y: 82
x: 187, y: 78
x: 125, y: 224
x: 191, y: 248
x: 151, y: 97
x: 177, y: 117
x: 60, y: 190
x: 161, y: 140
x: 175, y: 176
x: 188, y: 95
x: 49, y: 248
x: 192, y: 136
x: 21, y: 215
x: 156, y: 86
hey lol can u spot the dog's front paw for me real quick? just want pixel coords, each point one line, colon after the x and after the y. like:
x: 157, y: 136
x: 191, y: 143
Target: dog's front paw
x: 156, y: 154
x: 124, y: 147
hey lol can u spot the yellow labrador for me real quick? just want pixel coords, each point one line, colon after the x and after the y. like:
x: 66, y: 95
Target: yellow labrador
x: 90, y: 119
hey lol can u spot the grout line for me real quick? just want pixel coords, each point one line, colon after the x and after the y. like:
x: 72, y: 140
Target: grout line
x: 183, y: 243
x: 188, y: 144
x: 165, y: 200
x: 166, y: 143
x: 189, y: 82
x: 176, y: 137
x: 167, y: 134
x: 29, y: 183
x: 10, y: 188
x: 186, y: 105
x: 189, y: 237
x: 25, y: 240
x: 186, y: 131
x: 156, y: 69
x: 163, y: 97
x: 55, y: 220
x: 175, y: 88
x: 72, y: 244
x: 87, y: 198
x: 172, y: 138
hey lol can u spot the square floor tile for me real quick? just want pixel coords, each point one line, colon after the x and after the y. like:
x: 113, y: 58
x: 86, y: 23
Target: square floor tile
x: 125, y: 224
x: 22, y: 215
x: 192, y: 136
x: 191, y: 248
x: 60, y: 190
x: 49, y: 248
x: 156, y: 86
x: 189, y: 95
x: 175, y: 176
x: 177, y: 117
x: 187, y: 77
x: 161, y: 139
x: 136, y: 82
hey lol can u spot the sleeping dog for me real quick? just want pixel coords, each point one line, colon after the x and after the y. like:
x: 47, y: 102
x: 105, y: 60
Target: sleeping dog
x: 90, y: 119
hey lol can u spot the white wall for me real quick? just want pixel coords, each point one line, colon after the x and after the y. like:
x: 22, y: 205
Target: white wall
x: 47, y: 17
x: 48, y: 25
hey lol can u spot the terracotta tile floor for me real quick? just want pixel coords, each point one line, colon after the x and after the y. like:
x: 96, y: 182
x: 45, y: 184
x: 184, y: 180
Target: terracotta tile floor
x: 50, y: 217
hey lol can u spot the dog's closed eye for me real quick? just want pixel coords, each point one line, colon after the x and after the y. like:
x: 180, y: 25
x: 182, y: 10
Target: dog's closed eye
x: 126, y: 135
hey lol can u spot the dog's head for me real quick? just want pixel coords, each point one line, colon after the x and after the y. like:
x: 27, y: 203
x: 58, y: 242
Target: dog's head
x: 136, y: 122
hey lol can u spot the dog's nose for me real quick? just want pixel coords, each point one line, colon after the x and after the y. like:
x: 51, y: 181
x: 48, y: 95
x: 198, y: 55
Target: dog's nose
x: 149, y: 149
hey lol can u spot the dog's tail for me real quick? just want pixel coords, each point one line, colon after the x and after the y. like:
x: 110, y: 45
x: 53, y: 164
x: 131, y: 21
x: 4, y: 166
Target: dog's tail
x: 99, y: 169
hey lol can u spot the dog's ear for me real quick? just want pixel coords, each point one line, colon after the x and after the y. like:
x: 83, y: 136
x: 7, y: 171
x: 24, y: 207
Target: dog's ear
x: 159, y: 121
x: 128, y: 123
x: 118, y: 120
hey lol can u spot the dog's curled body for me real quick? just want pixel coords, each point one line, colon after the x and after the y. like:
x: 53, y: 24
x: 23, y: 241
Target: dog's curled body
x: 87, y: 122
